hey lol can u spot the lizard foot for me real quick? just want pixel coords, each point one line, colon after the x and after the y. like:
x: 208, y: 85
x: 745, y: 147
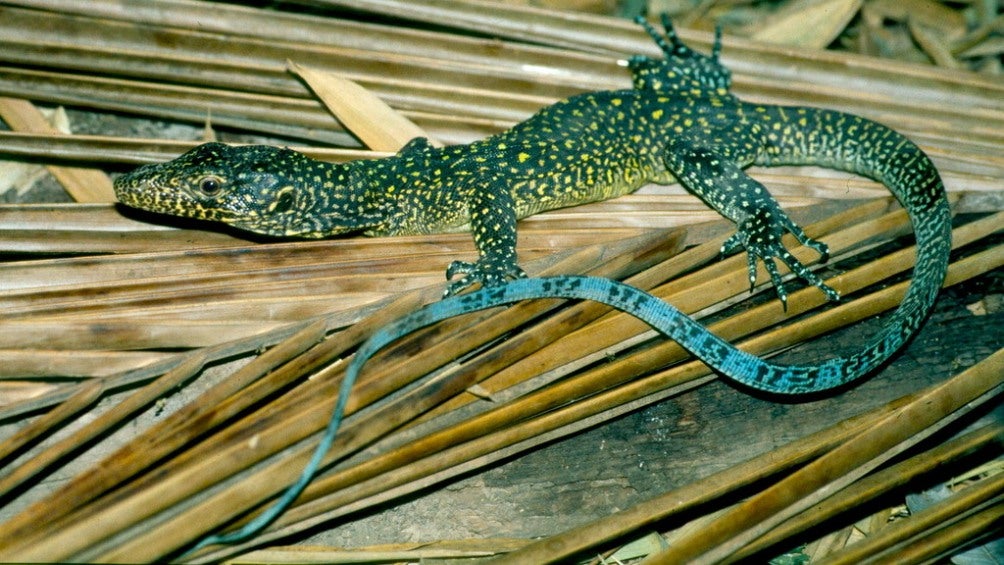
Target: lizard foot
x: 761, y: 235
x: 681, y: 65
x: 485, y: 272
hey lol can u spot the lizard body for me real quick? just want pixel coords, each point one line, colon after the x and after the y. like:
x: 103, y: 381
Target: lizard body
x: 678, y: 122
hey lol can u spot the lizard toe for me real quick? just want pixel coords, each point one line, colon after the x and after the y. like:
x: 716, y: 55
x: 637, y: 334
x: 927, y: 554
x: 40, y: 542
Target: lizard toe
x: 486, y: 273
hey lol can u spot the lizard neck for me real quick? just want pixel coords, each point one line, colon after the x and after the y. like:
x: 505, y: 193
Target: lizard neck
x: 343, y: 198
x: 374, y: 191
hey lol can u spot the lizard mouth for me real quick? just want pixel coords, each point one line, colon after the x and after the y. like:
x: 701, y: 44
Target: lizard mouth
x: 147, y: 194
x: 281, y: 225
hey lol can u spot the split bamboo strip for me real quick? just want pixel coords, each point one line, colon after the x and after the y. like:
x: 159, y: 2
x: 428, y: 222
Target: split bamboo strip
x: 894, y: 477
x: 86, y: 393
x: 943, y: 515
x: 72, y: 217
x: 56, y: 274
x: 28, y: 364
x: 835, y: 470
x: 69, y: 242
x: 317, y: 415
x: 564, y: 28
x: 940, y: 544
x: 398, y: 552
x: 84, y: 185
x: 151, y: 333
x: 218, y: 297
x: 110, y: 419
x: 16, y: 392
x: 253, y: 314
x: 435, y: 461
x: 714, y: 487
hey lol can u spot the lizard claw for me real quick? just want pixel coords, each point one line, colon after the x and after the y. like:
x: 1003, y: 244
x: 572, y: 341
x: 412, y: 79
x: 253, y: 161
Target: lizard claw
x: 484, y: 272
x: 762, y: 241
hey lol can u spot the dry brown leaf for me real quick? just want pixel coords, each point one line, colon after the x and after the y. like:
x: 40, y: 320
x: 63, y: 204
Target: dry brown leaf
x: 933, y: 44
x: 19, y: 176
x: 814, y: 25
x: 986, y: 48
x: 83, y: 184
x: 378, y: 125
x: 928, y: 12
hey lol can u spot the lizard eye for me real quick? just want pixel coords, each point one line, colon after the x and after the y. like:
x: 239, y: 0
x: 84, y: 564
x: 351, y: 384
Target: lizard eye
x: 210, y: 185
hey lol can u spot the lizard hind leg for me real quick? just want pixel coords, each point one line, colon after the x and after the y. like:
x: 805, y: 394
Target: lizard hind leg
x: 760, y: 221
x: 682, y: 68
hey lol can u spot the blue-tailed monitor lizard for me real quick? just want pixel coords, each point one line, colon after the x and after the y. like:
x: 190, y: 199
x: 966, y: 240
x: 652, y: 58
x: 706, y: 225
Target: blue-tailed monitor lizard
x: 679, y: 121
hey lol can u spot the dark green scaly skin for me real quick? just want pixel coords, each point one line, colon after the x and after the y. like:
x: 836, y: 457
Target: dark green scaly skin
x: 679, y: 122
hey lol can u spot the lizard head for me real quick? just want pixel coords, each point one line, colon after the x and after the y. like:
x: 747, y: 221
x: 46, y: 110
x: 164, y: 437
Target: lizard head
x: 258, y: 188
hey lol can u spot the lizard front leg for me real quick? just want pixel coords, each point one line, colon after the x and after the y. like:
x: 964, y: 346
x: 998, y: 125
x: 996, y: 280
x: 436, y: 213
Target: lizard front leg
x: 760, y: 221
x: 493, y: 224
